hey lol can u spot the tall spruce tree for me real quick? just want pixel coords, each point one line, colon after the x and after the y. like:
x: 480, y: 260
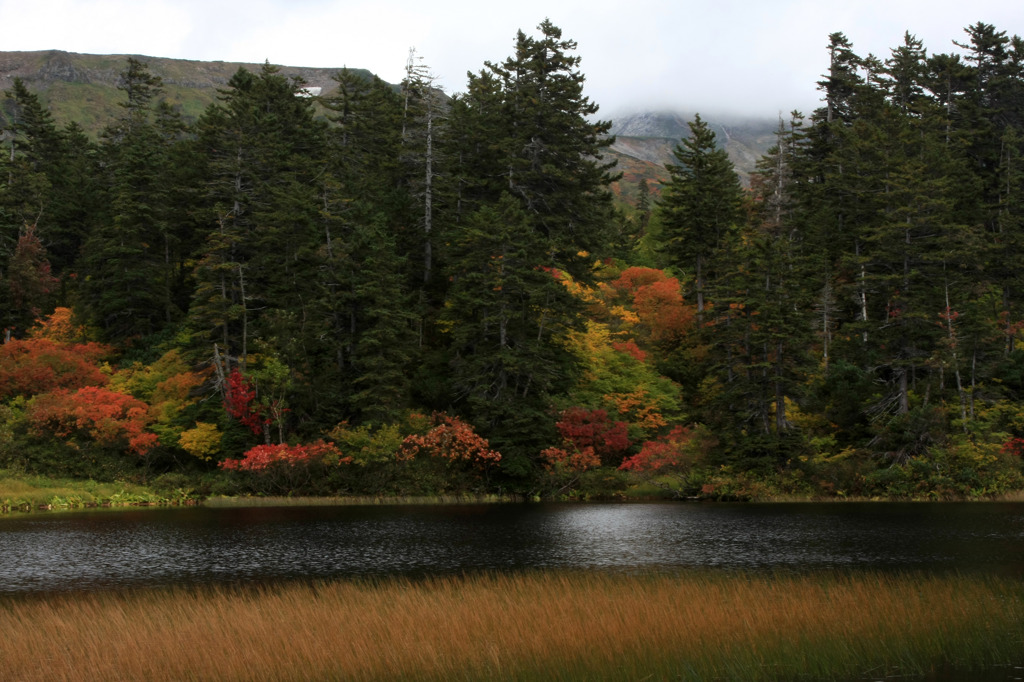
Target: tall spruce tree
x: 532, y: 200
x: 508, y: 317
x: 125, y: 259
x: 529, y: 131
x: 700, y: 205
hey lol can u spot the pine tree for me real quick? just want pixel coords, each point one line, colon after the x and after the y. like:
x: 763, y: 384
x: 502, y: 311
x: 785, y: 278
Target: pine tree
x: 530, y: 201
x: 27, y: 287
x: 49, y: 180
x: 526, y: 130
x: 362, y: 311
x: 125, y: 267
x: 263, y: 150
x: 700, y: 205
x: 508, y: 316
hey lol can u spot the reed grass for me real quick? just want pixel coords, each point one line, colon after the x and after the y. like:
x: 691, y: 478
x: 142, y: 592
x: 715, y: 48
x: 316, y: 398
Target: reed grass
x: 541, y: 626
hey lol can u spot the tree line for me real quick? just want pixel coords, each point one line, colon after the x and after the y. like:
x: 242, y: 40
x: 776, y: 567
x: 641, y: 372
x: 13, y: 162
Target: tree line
x: 326, y: 271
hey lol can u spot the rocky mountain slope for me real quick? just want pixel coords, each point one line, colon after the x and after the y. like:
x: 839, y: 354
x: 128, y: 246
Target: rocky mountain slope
x: 650, y: 138
x: 83, y: 87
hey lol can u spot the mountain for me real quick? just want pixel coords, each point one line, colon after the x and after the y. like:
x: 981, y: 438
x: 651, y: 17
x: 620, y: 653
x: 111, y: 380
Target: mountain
x: 644, y: 144
x: 83, y: 87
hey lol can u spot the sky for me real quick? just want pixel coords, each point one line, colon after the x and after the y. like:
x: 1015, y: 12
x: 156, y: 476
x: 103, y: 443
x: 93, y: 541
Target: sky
x: 741, y: 57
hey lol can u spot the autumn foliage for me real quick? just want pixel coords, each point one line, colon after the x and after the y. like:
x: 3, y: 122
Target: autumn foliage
x: 106, y: 417
x: 60, y: 326
x: 676, y: 451
x: 570, y: 459
x: 592, y: 430
x: 263, y: 457
x: 658, y: 302
x: 239, y: 401
x: 1014, y: 446
x: 450, y: 439
x: 32, y: 366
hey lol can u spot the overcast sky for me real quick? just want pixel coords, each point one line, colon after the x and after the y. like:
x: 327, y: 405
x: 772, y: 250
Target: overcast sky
x: 740, y: 56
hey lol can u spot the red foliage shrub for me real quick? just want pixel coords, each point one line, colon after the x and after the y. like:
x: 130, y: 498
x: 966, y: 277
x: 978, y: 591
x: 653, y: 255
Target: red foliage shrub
x: 238, y: 401
x: 574, y: 460
x: 109, y: 418
x: 32, y: 366
x: 1014, y: 446
x: 450, y: 439
x: 630, y: 348
x: 263, y: 457
x: 592, y: 429
x: 667, y: 452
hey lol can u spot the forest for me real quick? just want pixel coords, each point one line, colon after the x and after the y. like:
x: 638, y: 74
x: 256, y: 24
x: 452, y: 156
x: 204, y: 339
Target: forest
x: 389, y: 290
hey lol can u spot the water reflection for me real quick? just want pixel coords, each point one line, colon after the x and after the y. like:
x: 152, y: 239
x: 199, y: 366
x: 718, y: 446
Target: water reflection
x: 186, y: 546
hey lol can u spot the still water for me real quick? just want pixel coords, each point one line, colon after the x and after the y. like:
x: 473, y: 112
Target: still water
x: 96, y: 550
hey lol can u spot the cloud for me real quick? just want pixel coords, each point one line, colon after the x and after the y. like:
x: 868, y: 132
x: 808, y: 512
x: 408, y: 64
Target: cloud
x: 94, y: 27
x: 730, y: 55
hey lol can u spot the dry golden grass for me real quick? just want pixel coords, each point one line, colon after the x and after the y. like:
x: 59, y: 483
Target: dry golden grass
x: 536, y: 626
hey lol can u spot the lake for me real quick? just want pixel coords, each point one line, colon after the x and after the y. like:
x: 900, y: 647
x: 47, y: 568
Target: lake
x: 104, y: 550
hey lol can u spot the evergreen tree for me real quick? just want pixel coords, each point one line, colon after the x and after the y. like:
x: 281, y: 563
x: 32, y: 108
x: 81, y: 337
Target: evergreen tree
x: 124, y: 259
x: 27, y: 287
x: 531, y: 201
x: 49, y: 179
x: 526, y: 130
x: 363, y: 309
x: 508, y: 317
x: 700, y: 205
x: 263, y: 150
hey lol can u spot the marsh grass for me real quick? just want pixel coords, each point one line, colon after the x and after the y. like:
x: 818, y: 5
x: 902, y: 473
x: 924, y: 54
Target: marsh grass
x: 540, y: 626
x: 19, y: 492
x: 353, y: 500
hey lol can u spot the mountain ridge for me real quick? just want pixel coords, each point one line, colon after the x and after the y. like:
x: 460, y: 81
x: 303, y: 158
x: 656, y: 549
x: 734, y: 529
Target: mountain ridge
x: 83, y: 88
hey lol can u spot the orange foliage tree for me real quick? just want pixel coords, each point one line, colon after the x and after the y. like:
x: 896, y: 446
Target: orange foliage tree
x: 657, y: 300
x: 557, y: 460
x: 59, y: 326
x: 676, y: 452
x: 105, y: 417
x: 167, y: 386
x: 33, y: 366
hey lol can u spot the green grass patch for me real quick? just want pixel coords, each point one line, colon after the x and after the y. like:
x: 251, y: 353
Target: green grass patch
x: 354, y: 500
x: 25, y: 493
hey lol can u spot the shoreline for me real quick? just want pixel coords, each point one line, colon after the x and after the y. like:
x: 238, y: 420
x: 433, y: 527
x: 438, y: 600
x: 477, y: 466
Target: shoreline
x: 11, y: 509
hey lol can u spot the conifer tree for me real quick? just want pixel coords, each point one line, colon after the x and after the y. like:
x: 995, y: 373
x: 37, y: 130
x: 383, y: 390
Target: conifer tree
x: 127, y: 271
x: 700, y: 205
x: 531, y: 201
x: 528, y: 131
x: 263, y: 150
x: 48, y: 180
x: 508, y: 317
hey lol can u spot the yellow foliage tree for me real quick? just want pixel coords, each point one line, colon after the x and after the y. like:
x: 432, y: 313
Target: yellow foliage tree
x: 202, y: 441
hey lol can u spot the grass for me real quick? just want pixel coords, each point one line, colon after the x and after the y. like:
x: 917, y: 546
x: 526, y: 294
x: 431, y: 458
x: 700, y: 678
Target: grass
x: 542, y: 626
x: 353, y: 500
x: 20, y: 492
